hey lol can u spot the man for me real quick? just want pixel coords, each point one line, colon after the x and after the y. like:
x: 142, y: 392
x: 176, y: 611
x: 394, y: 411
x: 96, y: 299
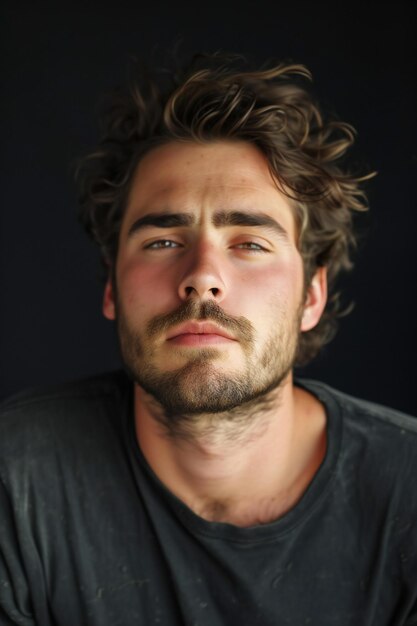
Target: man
x: 207, y: 487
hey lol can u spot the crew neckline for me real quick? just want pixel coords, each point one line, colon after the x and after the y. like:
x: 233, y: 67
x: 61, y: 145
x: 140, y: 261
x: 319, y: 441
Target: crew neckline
x: 316, y: 491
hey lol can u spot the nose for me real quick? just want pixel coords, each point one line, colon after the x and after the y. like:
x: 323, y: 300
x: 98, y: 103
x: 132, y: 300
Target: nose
x: 203, y: 277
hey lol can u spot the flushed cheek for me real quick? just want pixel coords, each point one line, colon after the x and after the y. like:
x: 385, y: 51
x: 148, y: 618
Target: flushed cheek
x: 142, y: 289
x: 276, y: 281
x: 268, y: 302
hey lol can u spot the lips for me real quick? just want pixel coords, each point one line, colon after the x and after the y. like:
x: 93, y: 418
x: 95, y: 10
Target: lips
x: 199, y: 329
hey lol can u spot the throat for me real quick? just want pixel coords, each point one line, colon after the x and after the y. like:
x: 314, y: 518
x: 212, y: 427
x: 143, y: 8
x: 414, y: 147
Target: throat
x: 217, y: 431
x: 244, y: 471
x: 245, y: 514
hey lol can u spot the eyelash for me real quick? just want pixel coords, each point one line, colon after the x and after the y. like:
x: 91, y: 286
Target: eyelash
x: 156, y: 245
x: 251, y: 246
x: 161, y: 244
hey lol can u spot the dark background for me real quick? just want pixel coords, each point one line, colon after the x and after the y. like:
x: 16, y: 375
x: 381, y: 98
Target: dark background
x: 58, y: 59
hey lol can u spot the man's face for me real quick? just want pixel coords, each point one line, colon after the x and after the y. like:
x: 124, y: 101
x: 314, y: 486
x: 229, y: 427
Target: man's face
x: 209, y: 296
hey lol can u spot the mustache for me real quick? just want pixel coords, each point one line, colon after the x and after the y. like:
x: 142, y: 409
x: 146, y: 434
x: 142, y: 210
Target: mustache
x: 240, y: 327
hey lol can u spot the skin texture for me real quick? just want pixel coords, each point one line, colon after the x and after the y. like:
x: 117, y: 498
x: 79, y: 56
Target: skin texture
x: 209, y: 306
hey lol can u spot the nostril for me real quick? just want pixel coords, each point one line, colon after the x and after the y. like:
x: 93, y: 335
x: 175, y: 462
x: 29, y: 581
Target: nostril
x: 190, y: 290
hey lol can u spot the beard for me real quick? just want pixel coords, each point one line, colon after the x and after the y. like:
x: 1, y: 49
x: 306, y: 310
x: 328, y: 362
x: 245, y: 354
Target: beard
x: 201, y: 385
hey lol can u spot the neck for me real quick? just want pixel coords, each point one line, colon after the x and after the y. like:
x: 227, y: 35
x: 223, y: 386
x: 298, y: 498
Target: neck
x: 247, y: 466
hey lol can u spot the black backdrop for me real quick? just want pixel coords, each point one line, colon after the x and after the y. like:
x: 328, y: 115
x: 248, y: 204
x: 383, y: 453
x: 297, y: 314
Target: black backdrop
x: 57, y: 60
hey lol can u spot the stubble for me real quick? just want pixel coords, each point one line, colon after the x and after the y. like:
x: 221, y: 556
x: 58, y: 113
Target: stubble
x: 201, y: 386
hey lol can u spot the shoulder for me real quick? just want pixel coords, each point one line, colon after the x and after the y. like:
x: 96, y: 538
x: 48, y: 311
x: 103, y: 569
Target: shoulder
x: 77, y: 390
x: 379, y: 441
x: 35, y: 418
x: 377, y: 445
x: 363, y: 412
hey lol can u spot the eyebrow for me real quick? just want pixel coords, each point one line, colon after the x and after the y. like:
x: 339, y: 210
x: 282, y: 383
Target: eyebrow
x: 221, y: 219
x: 240, y: 218
x: 161, y: 220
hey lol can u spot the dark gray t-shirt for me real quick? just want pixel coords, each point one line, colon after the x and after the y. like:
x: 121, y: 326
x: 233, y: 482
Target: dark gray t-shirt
x: 89, y: 535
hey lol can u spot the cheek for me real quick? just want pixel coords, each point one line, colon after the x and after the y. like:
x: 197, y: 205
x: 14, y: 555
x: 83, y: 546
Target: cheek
x: 279, y: 282
x: 139, y: 286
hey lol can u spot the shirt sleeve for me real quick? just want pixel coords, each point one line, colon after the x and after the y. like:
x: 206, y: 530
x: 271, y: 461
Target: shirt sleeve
x: 15, y: 600
x: 412, y: 618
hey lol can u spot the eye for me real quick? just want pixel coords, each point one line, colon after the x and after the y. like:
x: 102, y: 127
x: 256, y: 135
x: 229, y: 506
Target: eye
x: 251, y: 246
x: 162, y: 244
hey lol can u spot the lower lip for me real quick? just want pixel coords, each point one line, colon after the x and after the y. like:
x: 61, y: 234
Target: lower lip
x: 191, y: 339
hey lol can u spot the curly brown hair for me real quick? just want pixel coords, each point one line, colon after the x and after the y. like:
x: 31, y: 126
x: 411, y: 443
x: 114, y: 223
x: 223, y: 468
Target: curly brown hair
x: 213, y: 99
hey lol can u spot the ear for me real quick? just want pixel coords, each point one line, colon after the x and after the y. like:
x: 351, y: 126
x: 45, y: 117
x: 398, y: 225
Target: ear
x: 109, y: 307
x: 315, y: 301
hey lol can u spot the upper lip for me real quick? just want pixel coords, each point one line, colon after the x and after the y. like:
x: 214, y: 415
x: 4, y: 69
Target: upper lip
x: 198, y: 328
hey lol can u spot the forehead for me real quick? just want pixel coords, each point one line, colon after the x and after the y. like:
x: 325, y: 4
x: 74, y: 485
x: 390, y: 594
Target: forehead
x: 206, y: 178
